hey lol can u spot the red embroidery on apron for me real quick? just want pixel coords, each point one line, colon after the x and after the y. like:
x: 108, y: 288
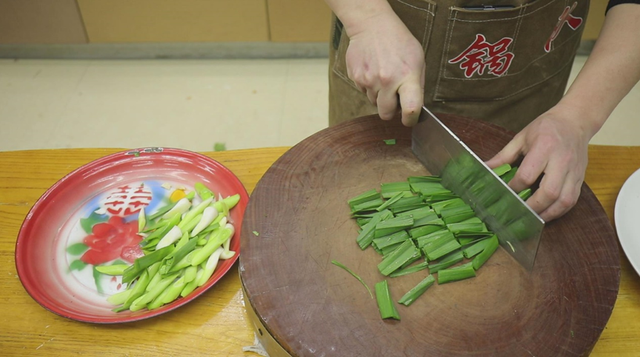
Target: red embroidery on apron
x: 566, y: 17
x: 481, y: 55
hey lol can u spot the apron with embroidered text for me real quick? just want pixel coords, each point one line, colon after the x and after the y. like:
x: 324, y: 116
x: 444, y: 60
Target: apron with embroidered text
x: 505, y: 66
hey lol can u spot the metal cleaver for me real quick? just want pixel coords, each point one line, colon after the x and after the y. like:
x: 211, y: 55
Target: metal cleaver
x: 517, y: 226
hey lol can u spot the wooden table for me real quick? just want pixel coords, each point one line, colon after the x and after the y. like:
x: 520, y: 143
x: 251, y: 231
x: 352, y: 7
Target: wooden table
x: 216, y: 323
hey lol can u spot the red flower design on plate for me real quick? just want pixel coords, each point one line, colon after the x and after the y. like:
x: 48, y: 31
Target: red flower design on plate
x: 112, y: 240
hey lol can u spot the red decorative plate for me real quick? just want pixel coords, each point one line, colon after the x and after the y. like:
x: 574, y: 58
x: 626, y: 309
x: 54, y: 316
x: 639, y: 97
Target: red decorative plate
x: 89, y: 218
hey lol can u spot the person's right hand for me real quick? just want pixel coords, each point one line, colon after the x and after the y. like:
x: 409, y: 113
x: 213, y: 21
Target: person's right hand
x: 387, y: 63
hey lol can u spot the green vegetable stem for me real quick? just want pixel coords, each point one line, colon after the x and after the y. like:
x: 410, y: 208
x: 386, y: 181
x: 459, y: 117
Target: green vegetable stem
x: 420, y: 225
x: 182, y: 247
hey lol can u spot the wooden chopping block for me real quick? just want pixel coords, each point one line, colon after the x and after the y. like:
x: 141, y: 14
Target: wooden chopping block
x: 303, y: 305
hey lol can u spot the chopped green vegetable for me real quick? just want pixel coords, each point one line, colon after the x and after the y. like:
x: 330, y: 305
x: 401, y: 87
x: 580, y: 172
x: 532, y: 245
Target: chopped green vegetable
x: 429, y: 219
x: 525, y: 194
x: 193, y: 284
x: 142, y: 219
x: 456, y: 214
x: 390, y: 141
x: 363, y: 197
x: 399, y: 257
x: 491, y: 247
x: 114, y: 269
x: 391, y: 201
x: 144, y: 262
x: 476, y: 248
x: 195, y: 211
x: 392, y: 225
x: 185, y: 262
x: 160, y: 212
x: 368, y: 205
x: 411, y: 295
x: 179, y: 240
x: 407, y: 204
x: 414, y: 259
x: 177, y: 255
x: 461, y: 272
x: 509, y: 175
x: 434, y: 242
x: 390, y: 189
x: 409, y: 269
x: 439, y: 206
x: 447, y: 261
x: 190, y: 274
x: 212, y: 227
x: 429, y: 188
x: 216, y: 240
x: 428, y: 238
x: 391, y: 239
x: 229, y: 202
x: 442, y: 250
x: 183, y: 240
x: 336, y: 263
x: 414, y: 179
x: 362, y: 221
x: 502, y: 169
x: 168, y: 294
x: 385, y: 304
x: 209, y: 266
x: 139, y: 287
x: 148, y: 296
x: 422, y: 221
x: 180, y: 207
x: 171, y: 237
x: 207, y: 217
x: 255, y: 233
x: 418, y: 213
x: 120, y: 297
x: 388, y: 250
x: 203, y: 191
x: 365, y: 238
x: 466, y: 238
x: 433, y: 226
x: 160, y: 229
x: 438, y: 197
x: 472, y: 225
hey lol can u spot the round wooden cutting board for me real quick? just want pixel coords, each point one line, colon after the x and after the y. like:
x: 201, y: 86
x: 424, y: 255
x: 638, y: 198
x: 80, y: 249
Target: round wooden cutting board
x: 298, y: 221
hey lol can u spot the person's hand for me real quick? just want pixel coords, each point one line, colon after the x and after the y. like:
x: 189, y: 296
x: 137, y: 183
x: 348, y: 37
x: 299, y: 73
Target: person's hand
x: 555, y: 146
x: 387, y: 63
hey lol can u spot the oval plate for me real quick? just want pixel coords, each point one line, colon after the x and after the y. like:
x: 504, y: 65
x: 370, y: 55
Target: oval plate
x: 57, y: 246
x: 312, y: 307
x: 626, y: 219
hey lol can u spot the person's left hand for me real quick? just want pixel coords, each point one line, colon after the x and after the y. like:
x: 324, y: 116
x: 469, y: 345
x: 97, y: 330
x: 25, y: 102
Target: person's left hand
x: 553, y: 145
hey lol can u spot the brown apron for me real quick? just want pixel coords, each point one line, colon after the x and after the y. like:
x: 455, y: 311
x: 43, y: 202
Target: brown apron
x: 504, y: 66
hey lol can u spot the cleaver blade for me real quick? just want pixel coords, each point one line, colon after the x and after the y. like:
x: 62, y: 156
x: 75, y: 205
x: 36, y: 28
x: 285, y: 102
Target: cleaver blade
x: 517, y: 226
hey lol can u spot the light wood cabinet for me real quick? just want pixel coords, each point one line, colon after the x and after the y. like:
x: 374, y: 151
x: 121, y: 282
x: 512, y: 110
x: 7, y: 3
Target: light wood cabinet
x: 40, y: 22
x: 299, y: 20
x: 126, y: 21
x: 171, y: 21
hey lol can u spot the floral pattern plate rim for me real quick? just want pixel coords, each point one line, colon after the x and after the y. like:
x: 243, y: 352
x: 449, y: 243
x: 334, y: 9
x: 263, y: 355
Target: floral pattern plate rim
x: 89, y: 218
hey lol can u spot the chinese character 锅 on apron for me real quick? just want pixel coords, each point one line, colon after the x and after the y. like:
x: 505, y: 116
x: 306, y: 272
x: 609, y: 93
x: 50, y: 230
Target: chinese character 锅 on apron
x: 506, y: 66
